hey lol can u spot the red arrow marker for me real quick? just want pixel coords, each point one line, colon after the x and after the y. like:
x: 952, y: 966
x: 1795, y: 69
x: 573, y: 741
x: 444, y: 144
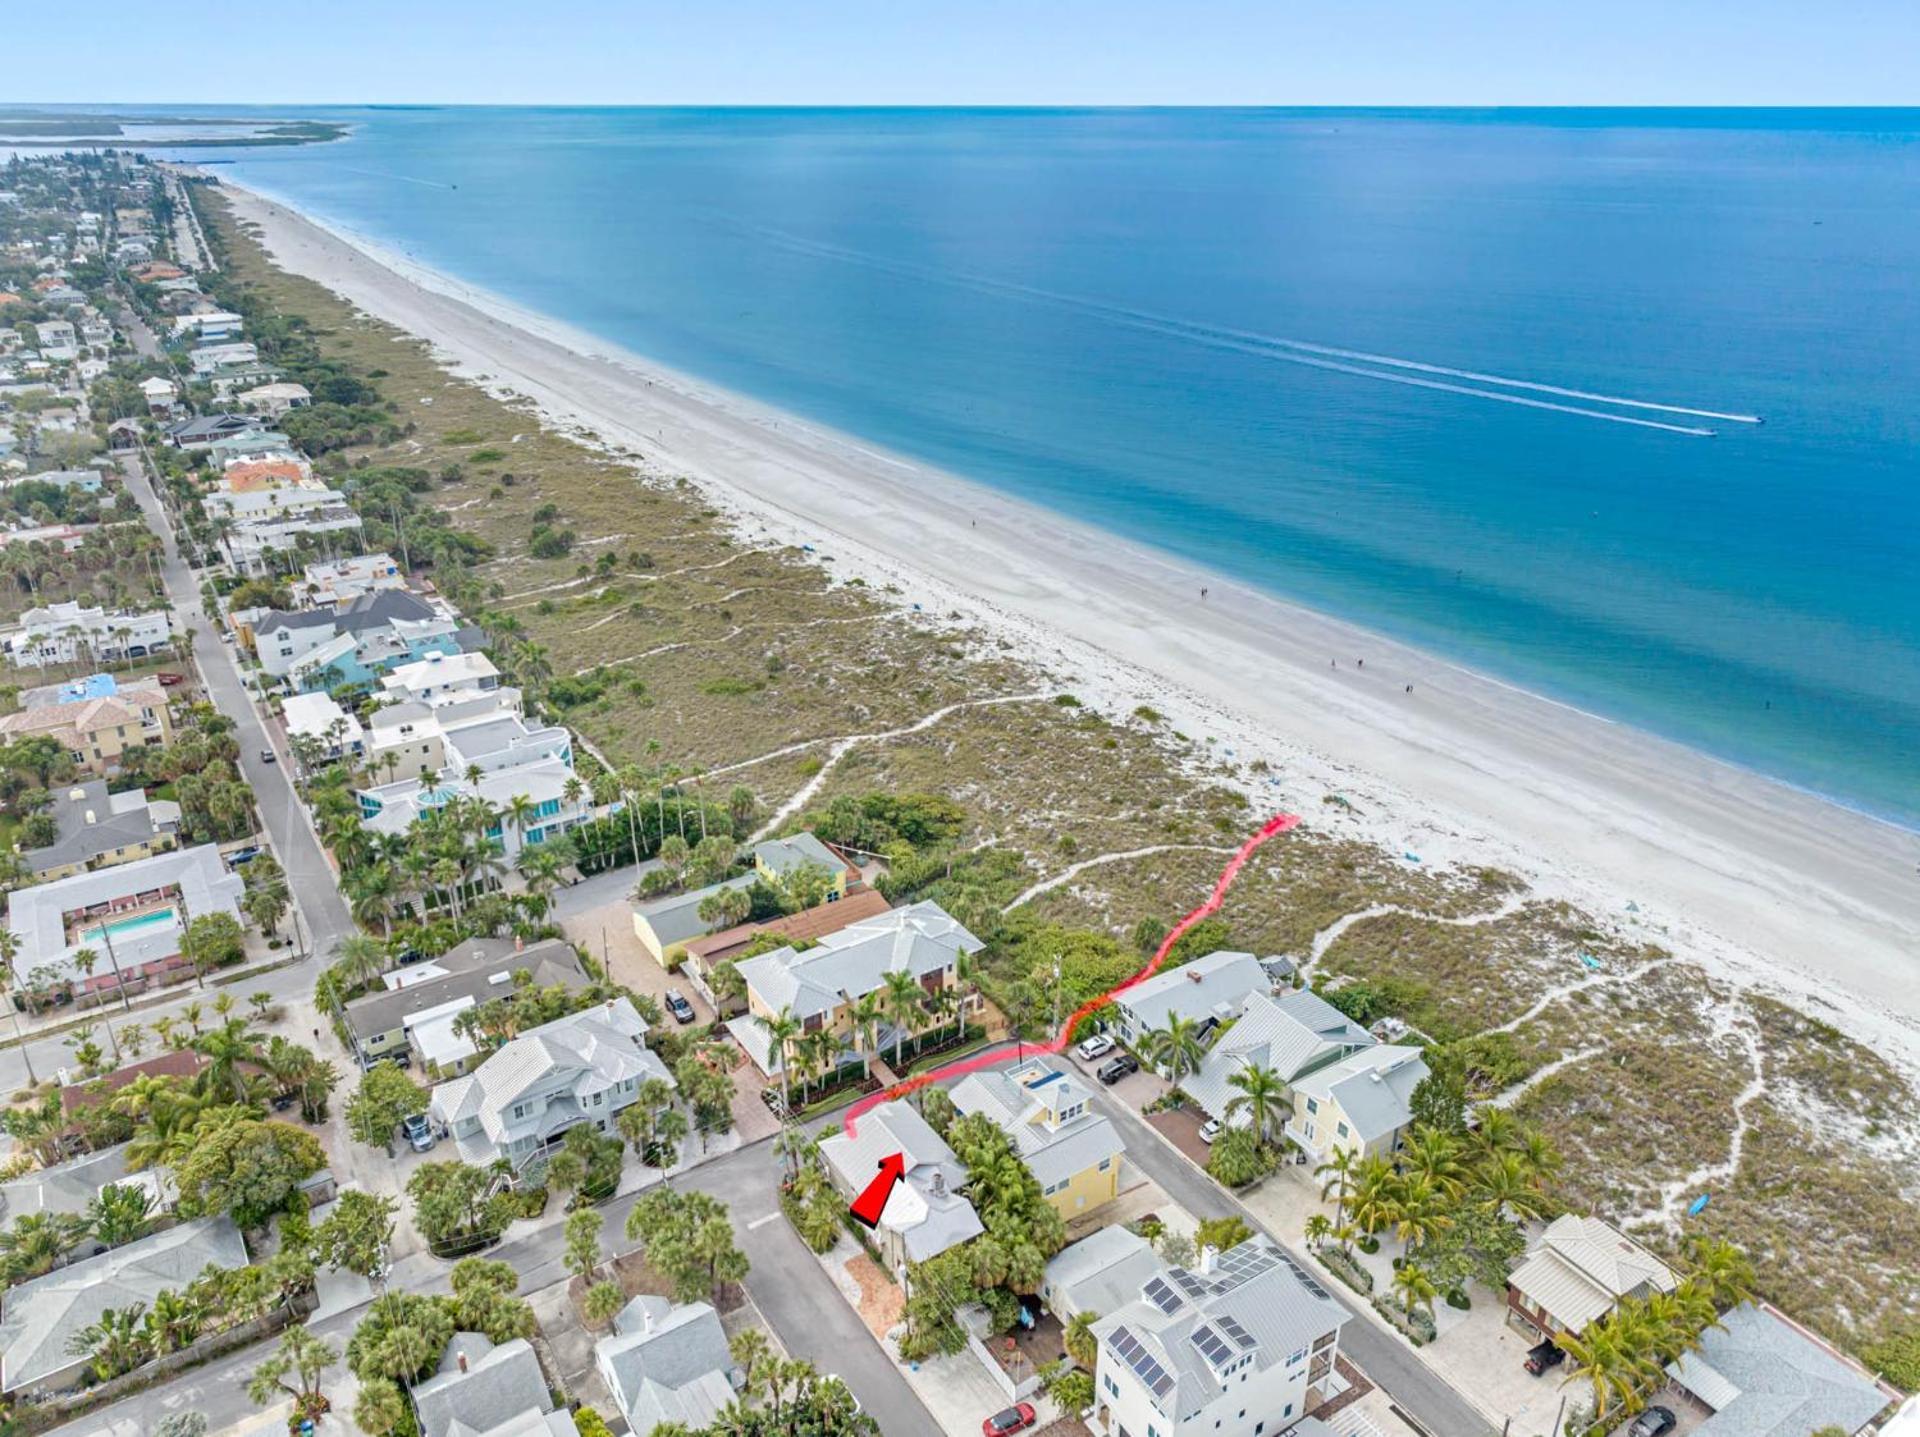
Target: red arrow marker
x: 871, y: 1203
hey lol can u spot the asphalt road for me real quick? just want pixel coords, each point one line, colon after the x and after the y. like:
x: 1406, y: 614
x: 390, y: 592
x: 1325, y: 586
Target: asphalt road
x: 791, y: 1289
x: 1391, y: 1366
x: 323, y: 915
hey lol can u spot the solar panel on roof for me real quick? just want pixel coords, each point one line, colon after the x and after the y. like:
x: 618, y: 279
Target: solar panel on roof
x: 1136, y: 1356
x: 1194, y: 1287
x: 1232, y: 1328
x: 1161, y: 1296
x: 1306, y: 1279
x: 1210, y: 1345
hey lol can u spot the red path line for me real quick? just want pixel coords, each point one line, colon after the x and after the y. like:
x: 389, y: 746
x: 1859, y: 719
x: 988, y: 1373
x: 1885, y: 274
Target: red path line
x: 1278, y: 824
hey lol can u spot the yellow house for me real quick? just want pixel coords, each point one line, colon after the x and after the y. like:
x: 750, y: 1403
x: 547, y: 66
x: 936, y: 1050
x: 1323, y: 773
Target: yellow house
x: 97, y: 731
x: 778, y: 859
x: 1073, y: 1152
x: 1362, y: 1103
x: 95, y: 829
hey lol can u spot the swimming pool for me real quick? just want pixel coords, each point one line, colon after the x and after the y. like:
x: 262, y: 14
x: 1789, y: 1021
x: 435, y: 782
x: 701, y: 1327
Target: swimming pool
x: 128, y: 927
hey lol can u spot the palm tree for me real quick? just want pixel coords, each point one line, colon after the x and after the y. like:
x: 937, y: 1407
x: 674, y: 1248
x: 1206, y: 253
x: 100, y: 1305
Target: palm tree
x: 1506, y: 1185
x: 902, y: 1000
x: 1319, y: 1228
x: 119, y: 1213
x: 782, y: 1028
x: 1414, y: 1287
x: 1608, y: 1365
x: 1336, y: 1176
x: 670, y: 1129
x: 1419, y: 1210
x: 868, y: 1013
x: 1721, y: 1270
x: 361, y: 959
x: 1435, y: 1156
x: 1175, y: 1048
x: 226, y: 1048
x: 1079, y: 1340
x: 1259, y: 1093
x: 1375, y: 1196
x: 115, y: 1343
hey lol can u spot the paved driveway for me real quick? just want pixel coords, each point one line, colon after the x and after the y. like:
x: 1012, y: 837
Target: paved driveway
x: 606, y: 931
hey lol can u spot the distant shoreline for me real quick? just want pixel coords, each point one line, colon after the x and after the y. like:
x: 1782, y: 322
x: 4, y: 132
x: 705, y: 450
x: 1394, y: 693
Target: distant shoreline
x: 1464, y: 768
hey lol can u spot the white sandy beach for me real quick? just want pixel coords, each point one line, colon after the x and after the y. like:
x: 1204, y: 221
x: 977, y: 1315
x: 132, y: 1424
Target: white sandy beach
x: 1759, y: 882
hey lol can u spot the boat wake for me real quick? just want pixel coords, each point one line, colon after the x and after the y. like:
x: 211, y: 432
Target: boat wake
x: 1392, y: 369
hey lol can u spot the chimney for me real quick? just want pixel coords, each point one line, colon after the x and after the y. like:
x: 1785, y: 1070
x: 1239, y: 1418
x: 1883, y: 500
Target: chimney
x: 939, y: 1183
x: 1192, y: 976
x: 1207, y: 1255
x: 646, y: 1319
x: 461, y: 1358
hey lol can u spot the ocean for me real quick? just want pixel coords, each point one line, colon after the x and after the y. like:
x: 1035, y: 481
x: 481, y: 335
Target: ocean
x: 1374, y: 361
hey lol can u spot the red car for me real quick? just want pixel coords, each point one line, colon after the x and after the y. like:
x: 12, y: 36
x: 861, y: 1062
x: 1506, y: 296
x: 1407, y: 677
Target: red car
x: 1017, y: 1418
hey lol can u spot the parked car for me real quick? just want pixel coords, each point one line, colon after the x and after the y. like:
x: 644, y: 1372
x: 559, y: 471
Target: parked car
x: 242, y: 855
x: 409, y: 955
x: 1210, y: 1129
x: 678, y: 1005
x: 419, y: 1132
x: 1098, y: 1046
x: 1543, y: 1355
x: 1115, y: 1069
x: 266, y: 756
x: 170, y: 680
x: 1654, y: 1422
x: 226, y: 636
x: 775, y: 1100
x: 1017, y: 1418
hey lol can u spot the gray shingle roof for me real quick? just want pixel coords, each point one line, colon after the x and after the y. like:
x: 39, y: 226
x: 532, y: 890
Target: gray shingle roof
x: 1103, y: 1271
x: 1765, y: 1377
x: 1020, y: 1103
x: 661, y: 1360
x: 89, y: 821
x: 925, y: 1209
x: 920, y: 939
x: 471, y: 970
x: 42, y: 1316
x: 677, y: 918
x: 500, y: 1383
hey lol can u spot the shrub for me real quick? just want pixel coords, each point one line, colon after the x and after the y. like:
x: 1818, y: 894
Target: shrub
x: 1458, y: 1300
x: 1237, y: 1159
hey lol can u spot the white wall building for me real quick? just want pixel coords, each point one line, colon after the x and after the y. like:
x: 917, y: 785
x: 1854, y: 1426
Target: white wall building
x: 583, y: 1068
x: 317, y: 717
x: 325, y: 585
x: 61, y: 633
x: 443, y: 679
x: 1243, y: 1347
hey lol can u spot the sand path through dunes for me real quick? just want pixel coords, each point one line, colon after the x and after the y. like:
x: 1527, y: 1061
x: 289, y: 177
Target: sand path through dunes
x: 1720, y: 863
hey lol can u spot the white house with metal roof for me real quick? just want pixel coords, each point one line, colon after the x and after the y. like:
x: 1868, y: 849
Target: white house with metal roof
x: 925, y: 1214
x: 1580, y: 1270
x: 582, y: 1068
x: 1073, y: 1152
x: 1103, y: 1271
x: 1243, y: 1346
x: 1290, y: 1035
x: 1214, y: 988
x: 1362, y: 1102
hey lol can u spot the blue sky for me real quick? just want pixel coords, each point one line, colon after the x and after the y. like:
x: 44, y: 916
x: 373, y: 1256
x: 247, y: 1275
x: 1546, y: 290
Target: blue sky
x: 1610, y: 52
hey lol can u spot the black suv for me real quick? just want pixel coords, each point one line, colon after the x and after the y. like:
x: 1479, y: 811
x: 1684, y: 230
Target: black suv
x: 1543, y: 1355
x: 1114, y: 1069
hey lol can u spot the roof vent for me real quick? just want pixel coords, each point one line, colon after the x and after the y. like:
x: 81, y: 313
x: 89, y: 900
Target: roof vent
x: 461, y: 1358
x: 90, y: 817
x: 939, y: 1183
x: 1193, y: 976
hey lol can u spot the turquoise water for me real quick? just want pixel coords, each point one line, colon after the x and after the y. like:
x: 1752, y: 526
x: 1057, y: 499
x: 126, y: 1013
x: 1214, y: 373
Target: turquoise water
x: 1103, y: 312
x: 123, y: 927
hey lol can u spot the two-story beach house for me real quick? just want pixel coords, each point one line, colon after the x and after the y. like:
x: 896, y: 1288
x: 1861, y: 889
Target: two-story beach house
x: 1208, y: 991
x: 1362, y: 1103
x: 1290, y: 1035
x: 583, y: 1068
x: 1073, y: 1152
